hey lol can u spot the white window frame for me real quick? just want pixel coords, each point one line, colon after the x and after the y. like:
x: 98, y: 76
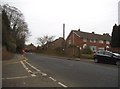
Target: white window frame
x: 107, y: 42
x: 101, y: 41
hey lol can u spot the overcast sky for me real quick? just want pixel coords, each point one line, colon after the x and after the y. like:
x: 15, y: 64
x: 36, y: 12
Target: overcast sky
x: 46, y: 17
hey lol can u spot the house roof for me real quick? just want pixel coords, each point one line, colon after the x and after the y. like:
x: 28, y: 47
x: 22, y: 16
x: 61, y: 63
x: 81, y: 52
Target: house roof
x: 93, y: 36
x: 30, y: 46
x: 59, y: 39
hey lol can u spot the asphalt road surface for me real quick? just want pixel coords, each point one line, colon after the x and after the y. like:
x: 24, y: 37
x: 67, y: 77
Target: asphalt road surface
x: 40, y: 71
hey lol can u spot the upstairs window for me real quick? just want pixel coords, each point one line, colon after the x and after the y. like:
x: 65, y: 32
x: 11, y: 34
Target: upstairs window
x: 101, y: 41
x: 90, y: 40
x: 69, y: 42
x: 107, y: 42
x: 94, y: 41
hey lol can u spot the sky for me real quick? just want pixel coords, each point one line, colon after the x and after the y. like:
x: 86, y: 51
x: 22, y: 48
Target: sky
x: 46, y: 17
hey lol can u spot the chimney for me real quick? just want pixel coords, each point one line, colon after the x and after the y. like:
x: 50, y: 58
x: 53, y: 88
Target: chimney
x: 106, y: 34
x: 93, y: 32
x: 79, y: 29
x: 119, y: 13
x: 63, y: 31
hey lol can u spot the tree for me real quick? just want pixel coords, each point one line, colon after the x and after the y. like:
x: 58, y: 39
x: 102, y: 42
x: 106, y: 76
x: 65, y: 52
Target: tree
x: 87, y: 50
x: 15, y: 29
x: 7, y: 38
x: 115, y: 40
x: 45, y: 39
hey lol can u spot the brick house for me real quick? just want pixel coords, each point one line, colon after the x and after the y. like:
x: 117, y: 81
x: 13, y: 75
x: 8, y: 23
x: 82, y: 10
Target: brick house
x: 55, y: 44
x: 30, y: 48
x: 94, y: 41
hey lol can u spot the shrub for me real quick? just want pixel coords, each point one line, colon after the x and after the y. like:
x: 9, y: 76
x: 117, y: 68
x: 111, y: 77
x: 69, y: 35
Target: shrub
x: 87, y: 50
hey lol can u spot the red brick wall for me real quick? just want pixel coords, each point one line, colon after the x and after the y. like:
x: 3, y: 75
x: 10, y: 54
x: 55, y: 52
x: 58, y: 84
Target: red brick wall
x: 79, y: 42
x: 75, y: 40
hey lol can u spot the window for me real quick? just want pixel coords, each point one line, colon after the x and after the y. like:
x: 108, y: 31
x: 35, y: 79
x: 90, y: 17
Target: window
x: 101, y: 48
x: 100, y: 41
x: 107, y: 42
x: 94, y: 41
x: 93, y: 48
x: 107, y: 47
x: 69, y: 42
x: 91, y: 40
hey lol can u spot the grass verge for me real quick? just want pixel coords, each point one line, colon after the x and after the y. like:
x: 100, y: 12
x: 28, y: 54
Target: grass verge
x: 87, y: 56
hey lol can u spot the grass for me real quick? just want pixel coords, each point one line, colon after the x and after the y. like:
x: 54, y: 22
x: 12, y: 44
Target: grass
x: 87, y: 56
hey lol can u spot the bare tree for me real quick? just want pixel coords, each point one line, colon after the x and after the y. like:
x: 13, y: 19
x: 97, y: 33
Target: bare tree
x: 45, y: 39
x: 18, y: 28
x: 17, y: 22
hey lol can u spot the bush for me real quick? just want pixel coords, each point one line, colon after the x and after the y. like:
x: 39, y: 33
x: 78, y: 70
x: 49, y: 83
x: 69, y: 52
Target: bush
x: 87, y: 50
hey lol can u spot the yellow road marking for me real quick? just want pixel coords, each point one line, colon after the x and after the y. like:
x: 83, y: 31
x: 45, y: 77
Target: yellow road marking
x: 11, y: 63
x: 16, y: 77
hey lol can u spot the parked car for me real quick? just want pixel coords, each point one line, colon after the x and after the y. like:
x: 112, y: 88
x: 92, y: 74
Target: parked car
x: 103, y: 56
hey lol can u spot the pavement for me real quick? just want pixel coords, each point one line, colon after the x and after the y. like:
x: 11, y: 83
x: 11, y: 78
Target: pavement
x: 14, y: 74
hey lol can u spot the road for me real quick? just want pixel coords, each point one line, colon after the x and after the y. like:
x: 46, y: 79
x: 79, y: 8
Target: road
x: 49, y: 71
